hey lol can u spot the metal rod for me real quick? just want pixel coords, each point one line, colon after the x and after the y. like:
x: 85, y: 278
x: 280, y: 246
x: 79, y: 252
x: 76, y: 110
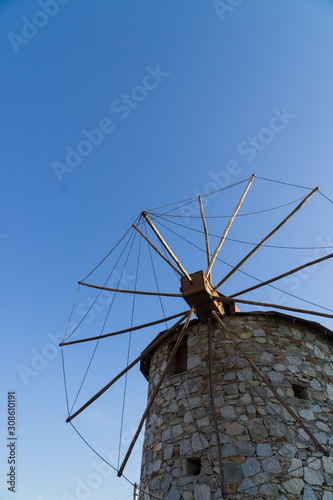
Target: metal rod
x: 265, y: 239
x: 212, y: 400
x: 152, y: 399
x: 98, y: 337
x: 229, y: 225
x: 142, y: 355
x: 312, y: 263
x: 166, y: 246
x: 135, y: 292
x: 264, y: 304
x: 158, y: 251
x: 269, y: 385
x: 209, y: 275
x: 136, y: 492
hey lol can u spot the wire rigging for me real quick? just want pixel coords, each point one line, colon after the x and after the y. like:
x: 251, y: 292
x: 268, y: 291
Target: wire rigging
x: 267, y: 245
x: 247, y: 274
x: 105, y: 283
x: 226, y: 216
x: 107, y: 315
x: 128, y: 354
x: 155, y: 278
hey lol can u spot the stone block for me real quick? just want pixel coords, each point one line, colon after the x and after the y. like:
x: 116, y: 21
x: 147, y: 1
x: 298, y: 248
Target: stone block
x: 173, y: 494
x: 247, y: 487
x: 294, y: 486
x: 228, y: 413
x: 234, y: 429
x: 202, y: 492
x: 264, y: 450
x: 250, y: 467
x: 272, y: 465
x: 257, y: 430
x: 269, y: 490
x: 313, y: 477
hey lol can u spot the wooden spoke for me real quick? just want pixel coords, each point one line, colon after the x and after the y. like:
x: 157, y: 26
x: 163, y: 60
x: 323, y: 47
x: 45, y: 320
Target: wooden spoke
x: 142, y: 355
x: 166, y: 246
x: 228, y: 226
x: 152, y: 399
x: 275, y: 306
x: 157, y: 250
x: 312, y: 263
x: 146, y: 325
x: 209, y: 275
x: 135, y: 292
x: 265, y: 239
x: 269, y: 385
x: 212, y: 400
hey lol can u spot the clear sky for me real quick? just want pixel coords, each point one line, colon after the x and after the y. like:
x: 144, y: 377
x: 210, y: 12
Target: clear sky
x: 111, y: 108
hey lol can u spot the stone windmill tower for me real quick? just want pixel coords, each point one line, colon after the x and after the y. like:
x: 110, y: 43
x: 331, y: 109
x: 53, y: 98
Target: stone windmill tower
x: 240, y: 405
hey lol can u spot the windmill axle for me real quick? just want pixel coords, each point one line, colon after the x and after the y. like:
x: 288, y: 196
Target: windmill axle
x: 199, y: 294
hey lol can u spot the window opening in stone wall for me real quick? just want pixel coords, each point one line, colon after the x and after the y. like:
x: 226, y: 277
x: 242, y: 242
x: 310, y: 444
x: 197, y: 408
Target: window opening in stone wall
x: 300, y: 391
x: 193, y: 466
x: 179, y: 362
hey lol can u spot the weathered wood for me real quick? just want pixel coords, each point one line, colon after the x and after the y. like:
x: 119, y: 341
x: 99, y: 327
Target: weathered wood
x: 152, y: 399
x: 158, y: 251
x: 265, y: 239
x: 135, y: 292
x: 228, y: 226
x: 209, y: 275
x: 170, y: 252
x: 269, y: 385
x: 146, y: 325
x: 142, y: 355
x: 312, y: 263
x: 200, y: 295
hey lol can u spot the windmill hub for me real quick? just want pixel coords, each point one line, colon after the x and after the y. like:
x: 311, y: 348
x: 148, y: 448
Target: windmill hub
x: 199, y: 293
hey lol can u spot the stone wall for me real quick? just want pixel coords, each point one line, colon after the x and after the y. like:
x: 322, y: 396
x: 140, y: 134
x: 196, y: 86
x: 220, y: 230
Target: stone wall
x: 265, y: 453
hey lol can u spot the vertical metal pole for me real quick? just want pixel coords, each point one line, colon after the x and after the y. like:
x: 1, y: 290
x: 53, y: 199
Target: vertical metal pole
x: 136, y: 491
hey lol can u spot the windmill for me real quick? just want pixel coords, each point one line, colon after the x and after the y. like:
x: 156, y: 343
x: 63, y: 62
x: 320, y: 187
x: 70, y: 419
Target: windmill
x: 204, y: 300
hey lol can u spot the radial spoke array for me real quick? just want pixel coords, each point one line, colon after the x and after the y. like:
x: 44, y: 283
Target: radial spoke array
x: 185, y: 317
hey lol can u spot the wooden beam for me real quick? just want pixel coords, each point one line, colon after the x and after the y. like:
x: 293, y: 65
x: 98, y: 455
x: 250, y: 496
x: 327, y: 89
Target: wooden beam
x: 98, y: 337
x: 229, y: 225
x: 269, y: 385
x: 166, y: 246
x: 142, y: 355
x: 209, y: 275
x: 275, y: 306
x: 157, y: 250
x: 135, y: 292
x: 312, y: 263
x: 265, y: 239
x: 152, y: 399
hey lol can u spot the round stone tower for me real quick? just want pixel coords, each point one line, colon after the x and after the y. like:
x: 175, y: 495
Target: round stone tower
x: 265, y: 453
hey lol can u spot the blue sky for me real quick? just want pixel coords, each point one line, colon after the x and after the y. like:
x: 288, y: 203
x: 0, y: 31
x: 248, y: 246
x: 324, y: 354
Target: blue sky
x: 110, y: 108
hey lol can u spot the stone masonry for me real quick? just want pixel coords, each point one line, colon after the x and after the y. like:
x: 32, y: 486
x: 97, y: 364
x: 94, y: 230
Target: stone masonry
x: 265, y: 452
